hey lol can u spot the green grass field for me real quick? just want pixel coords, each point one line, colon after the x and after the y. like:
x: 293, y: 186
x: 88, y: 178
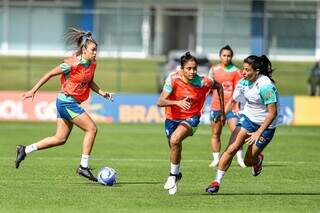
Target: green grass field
x: 131, y: 75
x: 46, y: 181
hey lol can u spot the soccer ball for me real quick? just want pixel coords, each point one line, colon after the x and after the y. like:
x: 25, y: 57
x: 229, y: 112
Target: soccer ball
x: 107, y: 176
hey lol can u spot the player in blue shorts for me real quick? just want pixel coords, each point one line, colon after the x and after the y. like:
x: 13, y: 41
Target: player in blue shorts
x: 258, y: 119
x: 77, y: 79
x: 183, y: 97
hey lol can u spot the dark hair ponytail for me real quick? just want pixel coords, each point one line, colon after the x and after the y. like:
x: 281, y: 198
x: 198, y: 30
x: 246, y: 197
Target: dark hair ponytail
x: 187, y: 57
x: 79, y: 39
x: 261, y: 63
x: 227, y: 47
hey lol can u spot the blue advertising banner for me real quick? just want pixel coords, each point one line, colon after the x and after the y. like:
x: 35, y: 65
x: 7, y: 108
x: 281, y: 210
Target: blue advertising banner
x: 126, y: 108
x: 142, y: 108
x: 286, y: 111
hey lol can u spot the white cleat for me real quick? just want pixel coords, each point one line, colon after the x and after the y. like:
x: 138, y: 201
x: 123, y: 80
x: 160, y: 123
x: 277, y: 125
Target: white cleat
x: 214, y: 163
x: 173, y: 190
x: 241, y: 163
x: 171, y: 182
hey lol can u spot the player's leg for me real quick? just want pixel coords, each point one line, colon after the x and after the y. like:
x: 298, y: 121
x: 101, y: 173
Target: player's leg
x: 254, y: 156
x: 181, y: 132
x: 216, y: 129
x: 178, y: 132
x: 232, y: 121
x: 89, y: 127
x: 64, y: 128
x: 236, y: 141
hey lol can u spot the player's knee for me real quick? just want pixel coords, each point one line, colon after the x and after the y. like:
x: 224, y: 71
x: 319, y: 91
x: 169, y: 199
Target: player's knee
x: 174, y: 142
x: 232, y: 150
x: 60, y: 140
x: 215, y: 136
x: 93, y: 129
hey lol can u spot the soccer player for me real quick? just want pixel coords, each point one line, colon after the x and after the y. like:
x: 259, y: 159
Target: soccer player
x: 183, y: 95
x: 228, y: 75
x: 77, y: 73
x: 258, y: 120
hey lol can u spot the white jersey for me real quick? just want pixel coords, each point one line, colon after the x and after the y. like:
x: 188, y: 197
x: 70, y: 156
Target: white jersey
x: 257, y: 95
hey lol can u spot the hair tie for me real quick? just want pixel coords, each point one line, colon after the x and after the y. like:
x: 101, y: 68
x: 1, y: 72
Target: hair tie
x: 84, y: 38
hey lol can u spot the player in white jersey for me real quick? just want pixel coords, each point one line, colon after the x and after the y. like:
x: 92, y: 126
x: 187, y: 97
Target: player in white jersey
x: 258, y: 119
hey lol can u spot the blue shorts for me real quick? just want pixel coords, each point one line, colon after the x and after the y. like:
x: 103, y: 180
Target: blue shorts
x: 171, y: 125
x: 216, y: 114
x: 68, y: 110
x: 266, y: 135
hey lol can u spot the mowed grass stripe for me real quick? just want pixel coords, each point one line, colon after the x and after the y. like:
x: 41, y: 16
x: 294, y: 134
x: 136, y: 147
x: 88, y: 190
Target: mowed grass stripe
x: 46, y: 181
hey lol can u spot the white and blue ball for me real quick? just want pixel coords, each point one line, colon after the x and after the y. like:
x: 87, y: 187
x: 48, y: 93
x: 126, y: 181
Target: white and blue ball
x: 107, y: 176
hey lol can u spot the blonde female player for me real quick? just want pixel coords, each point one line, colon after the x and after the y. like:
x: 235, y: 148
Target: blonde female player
x: 77, y: 73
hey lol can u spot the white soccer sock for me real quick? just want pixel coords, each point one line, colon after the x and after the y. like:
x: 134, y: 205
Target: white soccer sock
x: 174, y: 169
x: 239, y: 154
x: 216, y: 155
x: 31, y: 148
x: 85, y: 161
x: 219, y: 175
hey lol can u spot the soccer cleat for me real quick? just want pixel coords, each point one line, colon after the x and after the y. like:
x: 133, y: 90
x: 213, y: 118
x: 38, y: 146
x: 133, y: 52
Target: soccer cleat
x: 86, y: 172
x: 173, y: 190
x: 213, y: 187
x: 214, y: 163
x: 171, y: 183
x: 241, y: 163
x: 21, y: 154
x: 256, y: 169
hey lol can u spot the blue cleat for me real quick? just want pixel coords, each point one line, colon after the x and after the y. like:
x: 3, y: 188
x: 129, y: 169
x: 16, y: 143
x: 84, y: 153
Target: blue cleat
x: 213, y: 187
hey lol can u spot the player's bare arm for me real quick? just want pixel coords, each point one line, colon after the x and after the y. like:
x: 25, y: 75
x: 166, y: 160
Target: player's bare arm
x: 30, y: 94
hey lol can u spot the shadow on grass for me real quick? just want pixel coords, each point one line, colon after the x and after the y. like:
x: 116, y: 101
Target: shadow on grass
x: 122, y: 183
x: 139, y: 183
x: 263, y: 165
x: 266, y: 193
x: 274, y: 165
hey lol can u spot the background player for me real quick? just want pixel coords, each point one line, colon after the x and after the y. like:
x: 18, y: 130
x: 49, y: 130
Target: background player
x: 228, y: 75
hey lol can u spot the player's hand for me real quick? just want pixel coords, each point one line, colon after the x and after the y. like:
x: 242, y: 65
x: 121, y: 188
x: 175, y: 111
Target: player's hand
x: 253, y: 137
x: 108, y: 95
x: 29, y: 94
x: 184, y: 103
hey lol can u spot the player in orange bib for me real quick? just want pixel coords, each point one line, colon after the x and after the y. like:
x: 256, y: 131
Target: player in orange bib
x: 77, y: 73
x: 183, y: 95
x: 228, y: 75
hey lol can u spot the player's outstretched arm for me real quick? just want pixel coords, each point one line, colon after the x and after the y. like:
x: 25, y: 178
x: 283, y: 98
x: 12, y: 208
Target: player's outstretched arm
x: 30, y: 94
x: 96, y: 89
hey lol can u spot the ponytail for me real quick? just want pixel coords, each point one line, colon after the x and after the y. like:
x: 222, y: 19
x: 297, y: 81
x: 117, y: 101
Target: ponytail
x: 187, y: 57
x: 227, y: 47
x: 79, y: 39
x: 261, y: 63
